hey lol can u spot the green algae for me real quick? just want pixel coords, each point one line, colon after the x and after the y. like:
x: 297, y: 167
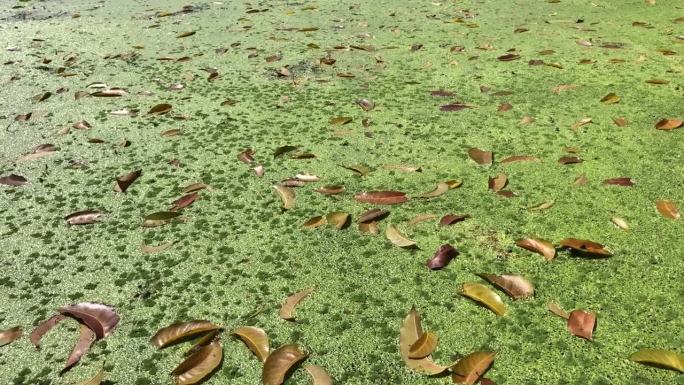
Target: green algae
x: 238, y: 255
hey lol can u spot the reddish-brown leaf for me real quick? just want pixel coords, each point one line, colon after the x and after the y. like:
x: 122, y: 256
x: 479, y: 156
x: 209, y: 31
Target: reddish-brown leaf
x: 498, y: 182
x: 13, y: 180
x: 570, y: 160
x: 669, y: 124
x: 582, y: 323
x: 514, y: 285
x: 123, y: 182
x: 85, y: 339
x: 442, y: 257
x: 381, y: 197
x: 622, y: 181
x: 451, y: 219
x: 539, y: 246
x: 373, y: 215
x: 509, y: 57
x: 45, y: 327
x: 481, y: 156
x: 101, y: 319
x: 584, y: 247
x: 184, y: 201
x: 668, y: 209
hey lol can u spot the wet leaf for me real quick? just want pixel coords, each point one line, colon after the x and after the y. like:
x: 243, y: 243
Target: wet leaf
x: 287, y: 310
x: 582, y: 323
x: 314, y: 222
x: 100, y: 318
x: 424, y: 346
x: 372, y: 215
x: 319, y: 375
x: 659, y: 358
x: 397, y: 238
x: 338, y: 219
x: 411, y: 331
x: 330, y: 189
x: 123, y: 182
x: 160, y: 109
x: 669, y: 124
x: 470, y: 368
x: 498, y: 182
x: 45, y: 327
x: 484, y: 295
x: 451, y: 219
x: 159, y: 218
x: 184, y: 201
x: 181, y: 331
x: 279, y: 363
x: 246, y: 156
x: 95, y: 380
x: 10, y: 335
x: 668, y: 209
x: 515, y: 286
x: 585, y: 248
x: 381, y: 197
x: 199, y: 365
x: 481, y: 157
x: 441, y: 188
x: 255, y: 339
x: 13, y: 180
x: 623, y: 181
x: 287, y: 196
x: 539, y: 246
x: 365, y: 104
x: 611, y: 98
x: 441, y: 258
x: 85, y: 339
x: 83, y: 217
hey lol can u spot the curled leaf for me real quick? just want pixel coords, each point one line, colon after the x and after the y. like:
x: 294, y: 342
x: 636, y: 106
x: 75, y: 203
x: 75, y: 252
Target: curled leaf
x: 83, y: 217
x: 199, y: 365
x: 411, y: 331
x: 338, y: 219
x: 668, y: 209
x: 669, y: 124
x: 441, y: 188
x: 382, y: 197
x: 180, y: 331
x: 255, y: 339
x: 287, y: 196
x: 481, y: 156
x: 397, y: 238
x: 660, y: 358
x: 330, y: 190
x: 470, y: 368
x: 184, y: 201
x: 611, y: 98
x: 102, y: 319
x: 279, y: 363
x: 319, y: 375
x: 442, y: 257
x: 372, y: 215
x: 10, y: 335
x: 45, y: 327
x: 159, y: 218
x: 95, y: 380
x: 287, y: 310
x: 424, y: 346
x: 498, y: 182
x: 515, y: 286
x: 13, y: 180
x: 85, y: 339
x: 484, y: 295
x: 314, y: 222
x: 585, y: 248
x: 582, y: 323
x: 123, y: 182
x: 539, y: 246
x: 246, y: 156
x: 451, y: 219
x: 369, y: 228
x: 160, y: 109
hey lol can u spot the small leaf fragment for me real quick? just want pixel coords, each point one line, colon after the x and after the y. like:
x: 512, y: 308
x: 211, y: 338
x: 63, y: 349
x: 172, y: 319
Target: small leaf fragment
x: 497, y: 183
x: 159, y: 218
x: 620, y: 223
x: 611, y: 98
x: 13, y: 180
x: 585, y: 248
x: 123, y: 182
x: 481, y: 157
x: 160, y: 109
x: 669, y: 124
x: 45, y: 327
x: 85, y: 339
x: 484, y: 295
x: 319, y: 375
x: 338, y: 219
x: 287, y: 309
x: 95, y: 380
x: 314, y: 222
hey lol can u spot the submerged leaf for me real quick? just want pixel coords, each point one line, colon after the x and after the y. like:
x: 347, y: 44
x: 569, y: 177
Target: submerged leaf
x: 485, y: 296
x: 287, y: 310
x: 668, y: 209
x: 199, y: 365
x: 255, y: 339
x: 10, y: 335
x: 319, y: 375
x: 159, y: 218
x: 470, y: 368
x: 582, y: 323
x: 85, y: 339
x: 123, y: 182
x: 515, y: 286
x: 279, y: 363
x: 180, y: 331
x: 381, y: 197
x: 539, y: 246
x: 442, y: 257
x: 397, y: 238
x: 411, y: 331
x: 659, y: 358
x: 586, y: 248
x: 287, y: 196
x: 102, y: 319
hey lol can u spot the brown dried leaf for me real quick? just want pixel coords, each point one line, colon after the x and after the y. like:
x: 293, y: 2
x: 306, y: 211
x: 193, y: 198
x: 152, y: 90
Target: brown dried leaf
x: 669, y: 124
x: 582, y: 323
x: 515, y: 286
x: 287, y: 309
x: 498, y: 182
x: 160, y: 109
x: 451, y: 219
x: 279, y: 363
x: 622, y: 181
x: 441, y: 258
x: 586, y: 248
x: 181, y: 331
x: 184, y: 201
x: 255, y: 339
x: 330, y: 189
x: 85, y: 339
x: 668, y: 209
x: 485, y: 296
x: 287, y: 196
x: 424, y: 346
x: 611, y: 98
x: 369, y: 228
x: 373, y: 215
x: 159, y: 218
x: 13, y: 180
x: 45, y: 327
x: 83, y: 217
x: 470, y: 368
x: 555, y: 309
x: 246, y: 156
x: 570, y: 160
x: 481, y: 156
x: 319, y: 375
x: 338, y: 219
x: 520, y: 158
x: 397, y: 238
x: 411, y: 331
x: 442, y: 187
x: 421, y: 218
x: 100, y: 318
x: 200, y: 364
x: 314, y: 222
x: 382, y: 197
x: 10, y: 335
x: 123, y: 182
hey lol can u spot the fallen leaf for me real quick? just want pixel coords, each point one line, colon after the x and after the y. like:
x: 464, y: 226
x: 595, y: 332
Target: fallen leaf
x: 521, y: 158
x: 85, y: 339
x: 13, y: 180
x: 620, y: 122
x: 123, y: 182
x: 484, y: 295
x: 421, y: 218
x: 365, y: 104
x: 498, y: 182
x: 369, y: 228
x: 503, y: 107
x: 287, y: 309
x: 668, y: 209
x: 611, y: 98
x: 280, y: 362
x: 451, y: 219
x: 83, y: 217
x: 441, y: 258
x: 620, y: 223
x: 10, y: 335
x: 669, y: 124
x: 623, y: 181
x: 582, y: 323
x: 184, y: 201
x: 255, y: 339
x: 570, y: 160
x: 156, y: 249
x: 470, y: 368
x: 259, y: 170
x: 397, y: 238
x: 372, y: 215
x: 381, y: 197
x: 95, y: 380
x: 453, y: 107
x: 539, y: 246
x: 481, y: 156
x: 541, y: 206
x: 330, y: 189
x: 555, y: 309
x: 186, y: 34
x: 581, y: 122
x: 411, y: 331
x: 160, y: 109
x: 659, y: 358
x: 246, y: 156
x: 100, y: 318
x: 181, y: 331
x: 45, y: 327
x: 110, y: 93
x: 319, y: 375
x: 338, y: 219
x: 580, y: 180
x: 359, y: 169
x: 424, y: 346
x: 509, y: 57
x: 515, y: 286
x: 402, y: 167
x: 340, y: 120
x: 585, y: 248
x: 314, y: 222
x: 159, y: 218
x: 199, y: 365
x: 287, y: 196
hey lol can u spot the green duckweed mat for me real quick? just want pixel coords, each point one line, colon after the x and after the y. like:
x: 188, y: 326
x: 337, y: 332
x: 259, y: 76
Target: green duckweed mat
x: 237, y: 255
